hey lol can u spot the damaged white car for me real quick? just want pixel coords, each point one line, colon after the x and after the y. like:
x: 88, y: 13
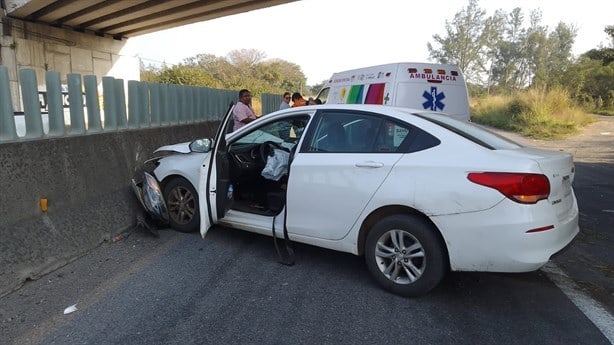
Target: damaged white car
x: 416, y: 193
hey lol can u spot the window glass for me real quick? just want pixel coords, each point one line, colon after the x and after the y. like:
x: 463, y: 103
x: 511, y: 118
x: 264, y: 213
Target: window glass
x: 344, y: 132
x: 323, y: 95
x: 473, y: 132
x: 286, y: 132
x: 356, y: 132
x: 390, y: 136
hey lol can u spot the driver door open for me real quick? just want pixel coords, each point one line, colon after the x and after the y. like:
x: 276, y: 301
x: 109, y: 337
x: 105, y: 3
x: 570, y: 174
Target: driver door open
x: 214, y: 178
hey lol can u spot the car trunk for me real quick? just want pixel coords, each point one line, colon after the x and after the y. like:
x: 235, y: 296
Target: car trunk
x: 559, y: 169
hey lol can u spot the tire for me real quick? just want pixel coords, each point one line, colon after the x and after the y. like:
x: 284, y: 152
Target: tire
x: 419, y: 269
x: 182, y: 204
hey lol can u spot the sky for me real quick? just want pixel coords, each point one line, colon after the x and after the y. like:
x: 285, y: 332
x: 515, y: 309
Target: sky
x: 327, y: 36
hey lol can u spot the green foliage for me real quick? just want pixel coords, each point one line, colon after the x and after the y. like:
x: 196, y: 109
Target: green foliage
x: 501, y: 52
x: 243, y: 68
x: 185, y: 75
x: 538, y: 114
x: 591, y: 83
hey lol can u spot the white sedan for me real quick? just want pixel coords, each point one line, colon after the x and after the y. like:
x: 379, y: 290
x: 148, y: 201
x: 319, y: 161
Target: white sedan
x: 416, y: 193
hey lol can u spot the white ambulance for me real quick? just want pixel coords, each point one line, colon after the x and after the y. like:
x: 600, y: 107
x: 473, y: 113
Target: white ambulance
x: 436, y: 87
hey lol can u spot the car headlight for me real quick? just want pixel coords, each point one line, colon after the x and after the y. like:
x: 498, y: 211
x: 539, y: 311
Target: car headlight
x: 153, y: 198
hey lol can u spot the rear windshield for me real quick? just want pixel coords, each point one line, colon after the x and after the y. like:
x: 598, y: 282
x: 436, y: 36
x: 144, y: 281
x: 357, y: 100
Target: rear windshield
x: 476, y: 133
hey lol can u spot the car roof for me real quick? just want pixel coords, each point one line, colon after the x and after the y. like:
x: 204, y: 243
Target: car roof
x: 470, y: 131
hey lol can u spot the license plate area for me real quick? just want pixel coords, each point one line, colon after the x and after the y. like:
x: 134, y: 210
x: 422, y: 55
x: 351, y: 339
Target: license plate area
x: 566, y: 186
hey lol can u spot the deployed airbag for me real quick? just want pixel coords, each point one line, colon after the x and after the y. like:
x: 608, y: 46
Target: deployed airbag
x: 276, y: 165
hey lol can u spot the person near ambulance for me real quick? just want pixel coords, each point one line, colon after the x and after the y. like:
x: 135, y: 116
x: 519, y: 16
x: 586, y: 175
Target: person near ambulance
x: 298, y: 100
x: 243, y: 113
x: 285, y: 101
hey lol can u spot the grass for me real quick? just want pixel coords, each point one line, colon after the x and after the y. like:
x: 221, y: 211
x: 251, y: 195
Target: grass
x: 537, y: 114
x: 607, y: 112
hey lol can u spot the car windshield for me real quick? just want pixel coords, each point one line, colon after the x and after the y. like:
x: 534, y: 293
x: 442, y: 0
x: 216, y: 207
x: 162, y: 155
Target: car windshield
x: 476, y: 133
x: 285, y: 132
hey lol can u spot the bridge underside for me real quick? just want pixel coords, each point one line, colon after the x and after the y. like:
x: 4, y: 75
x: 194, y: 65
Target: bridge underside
x: 127, y: 18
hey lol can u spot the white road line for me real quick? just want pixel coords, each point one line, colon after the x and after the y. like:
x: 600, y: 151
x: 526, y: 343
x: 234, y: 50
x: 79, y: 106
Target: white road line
x: 610, y: 211
x: 591, y: 308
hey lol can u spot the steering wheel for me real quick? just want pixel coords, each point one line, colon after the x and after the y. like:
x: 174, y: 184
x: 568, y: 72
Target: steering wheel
x: 266, y: 150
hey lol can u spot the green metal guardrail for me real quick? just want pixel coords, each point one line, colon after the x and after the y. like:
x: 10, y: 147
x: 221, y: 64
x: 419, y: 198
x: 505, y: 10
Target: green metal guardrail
x: 270, y: 103
x: 148, y: 105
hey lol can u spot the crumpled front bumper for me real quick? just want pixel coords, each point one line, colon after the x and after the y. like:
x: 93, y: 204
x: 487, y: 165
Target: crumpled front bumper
x: 150, y: 196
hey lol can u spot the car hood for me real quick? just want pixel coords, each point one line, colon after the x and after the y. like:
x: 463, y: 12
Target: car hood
x: 180, y: 147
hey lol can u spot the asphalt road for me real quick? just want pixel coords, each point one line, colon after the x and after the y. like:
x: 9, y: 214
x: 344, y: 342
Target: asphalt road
x: 229, y: 288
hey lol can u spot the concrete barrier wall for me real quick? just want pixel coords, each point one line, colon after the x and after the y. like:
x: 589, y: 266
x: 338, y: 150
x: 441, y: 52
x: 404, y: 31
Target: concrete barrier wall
x: 86, y: 181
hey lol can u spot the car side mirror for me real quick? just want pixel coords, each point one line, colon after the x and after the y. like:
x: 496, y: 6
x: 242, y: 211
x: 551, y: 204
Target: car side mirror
x: 201, y: 145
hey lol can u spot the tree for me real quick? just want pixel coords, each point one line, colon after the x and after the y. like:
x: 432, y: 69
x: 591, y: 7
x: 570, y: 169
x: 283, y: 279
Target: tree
x: 282, y: 75
x: 560, y: 43
x: 465, y: 42
x: 536, y: 54
x: 605, y: 54
x: 185, y: 75
x: 148, y: 73
x: 239, y: 69
x: 508, y: 49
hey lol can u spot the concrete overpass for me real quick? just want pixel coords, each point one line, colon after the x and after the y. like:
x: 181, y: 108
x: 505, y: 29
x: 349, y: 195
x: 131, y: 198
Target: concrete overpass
x: 127, y: 18
x: 88, y: 36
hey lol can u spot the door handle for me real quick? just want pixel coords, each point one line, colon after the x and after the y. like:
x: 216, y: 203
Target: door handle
x: 369, y: 164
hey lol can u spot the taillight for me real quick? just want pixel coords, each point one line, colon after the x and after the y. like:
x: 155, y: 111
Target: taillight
x: 520, y: 187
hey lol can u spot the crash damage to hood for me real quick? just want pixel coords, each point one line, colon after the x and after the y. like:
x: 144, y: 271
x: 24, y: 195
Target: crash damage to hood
x: 180, y: 147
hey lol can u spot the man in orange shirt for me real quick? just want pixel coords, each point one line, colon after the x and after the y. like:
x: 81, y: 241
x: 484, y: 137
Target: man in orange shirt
x: 298, y: 100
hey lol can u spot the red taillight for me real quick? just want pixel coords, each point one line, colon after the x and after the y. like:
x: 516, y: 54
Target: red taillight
x: 519, y: 187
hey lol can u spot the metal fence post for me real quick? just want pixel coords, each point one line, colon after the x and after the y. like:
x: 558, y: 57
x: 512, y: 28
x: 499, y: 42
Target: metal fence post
x: 144, y: 115
x: 31, y: 105
x: 55, y: 108
x: 8, y: 131
x: 133, y: 104
x: 110, y: 106
x: 75, y: 98
x: 120, y: 103
x: 91, y: 102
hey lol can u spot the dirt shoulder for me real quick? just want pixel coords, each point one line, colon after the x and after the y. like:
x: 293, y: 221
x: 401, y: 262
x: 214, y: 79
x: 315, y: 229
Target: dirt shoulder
x: 590, y: 260
x: 594, y: 143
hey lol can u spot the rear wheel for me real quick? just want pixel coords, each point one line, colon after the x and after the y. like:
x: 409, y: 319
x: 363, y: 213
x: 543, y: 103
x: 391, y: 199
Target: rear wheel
x: 405, y: 255
x: 182, y: 203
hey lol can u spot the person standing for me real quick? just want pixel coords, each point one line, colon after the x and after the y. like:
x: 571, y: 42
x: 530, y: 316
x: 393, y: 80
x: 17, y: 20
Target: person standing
x: 285, y: 101
x: 298, y: 100
x: 243, y: 113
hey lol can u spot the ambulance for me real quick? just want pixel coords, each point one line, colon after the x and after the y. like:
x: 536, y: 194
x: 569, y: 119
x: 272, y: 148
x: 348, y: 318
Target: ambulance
x: 436, y: 87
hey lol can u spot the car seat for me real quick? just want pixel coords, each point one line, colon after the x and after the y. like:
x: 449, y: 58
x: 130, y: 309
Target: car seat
x: 335, y: 139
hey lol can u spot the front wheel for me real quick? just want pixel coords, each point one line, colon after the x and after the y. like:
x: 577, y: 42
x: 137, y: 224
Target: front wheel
x: 182, y: 203
x: 405, y: 255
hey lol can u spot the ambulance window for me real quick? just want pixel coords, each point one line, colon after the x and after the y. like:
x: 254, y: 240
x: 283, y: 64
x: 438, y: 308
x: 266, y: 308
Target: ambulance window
x: 323, y: 95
